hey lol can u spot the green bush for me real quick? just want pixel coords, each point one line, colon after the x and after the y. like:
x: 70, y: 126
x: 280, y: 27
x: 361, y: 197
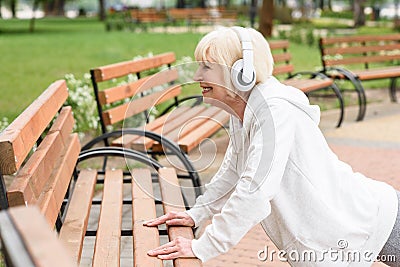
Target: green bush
x: 337, y: 15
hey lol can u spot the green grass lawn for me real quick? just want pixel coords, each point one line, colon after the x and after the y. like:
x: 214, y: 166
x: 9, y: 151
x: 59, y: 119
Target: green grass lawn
x: 29, y: 62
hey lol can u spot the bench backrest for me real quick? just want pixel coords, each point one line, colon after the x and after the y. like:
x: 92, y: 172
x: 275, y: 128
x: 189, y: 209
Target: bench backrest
x: 362, y: 50
x: 188, y: 13
x: 148, y: 15
x: 117, y: 96
x: 42, y: 174
x: 282, y: 57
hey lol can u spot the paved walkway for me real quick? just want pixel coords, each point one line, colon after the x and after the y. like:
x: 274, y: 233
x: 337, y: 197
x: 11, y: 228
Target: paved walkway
x: 371, y: 147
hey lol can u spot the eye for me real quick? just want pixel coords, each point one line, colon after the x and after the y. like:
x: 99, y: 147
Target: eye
x: 206, y: 65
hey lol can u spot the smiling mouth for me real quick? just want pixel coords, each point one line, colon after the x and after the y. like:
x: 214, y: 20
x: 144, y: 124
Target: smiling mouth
x: 206, y: 89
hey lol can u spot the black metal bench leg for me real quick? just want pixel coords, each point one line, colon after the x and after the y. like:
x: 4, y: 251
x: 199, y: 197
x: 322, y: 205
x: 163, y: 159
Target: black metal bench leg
x: 3, y: 194
x: 362, y: 99
x: 393, y: 82
x: 341, y: 103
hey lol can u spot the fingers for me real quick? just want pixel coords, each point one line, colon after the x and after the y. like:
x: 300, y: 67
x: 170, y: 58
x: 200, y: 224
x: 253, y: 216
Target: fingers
x: 175, y: 222
x: 160, y: 220
x: 171, y: 218
x: 161, y: 248
x: 180, y: 247
x: 170, y: 256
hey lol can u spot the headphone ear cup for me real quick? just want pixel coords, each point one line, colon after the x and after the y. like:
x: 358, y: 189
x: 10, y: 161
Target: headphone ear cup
x: 237, y: 77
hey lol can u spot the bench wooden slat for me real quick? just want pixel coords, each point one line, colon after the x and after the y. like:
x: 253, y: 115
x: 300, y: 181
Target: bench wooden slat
x: 208, y: 128
x: 117, y: 93
x: 279, y: 44
x: 143, y: 209
x: 282, y: 57
x: 63, y: 124
x: 173, y: 201
x: 283, y: 69
x: 136, y: 106
x: 53, y: 193
x: 33, y: 176
x: 127, y: 140
x: 12, y: 245
x: 42, y: 244
x: 124, y: 68
x: 371, y: 74
x: 169, y: 128
x: 359, y: 38
x: 75, y: 224
x: 192, y: 124
x: 180, y: 126
x: 361, y: 60
x: 309, y: 85
x: 359, y: 49
x: 17, y: 140
x: 108, y: 238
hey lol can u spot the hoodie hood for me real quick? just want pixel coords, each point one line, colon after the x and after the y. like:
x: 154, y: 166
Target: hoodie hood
x: 272, y: 88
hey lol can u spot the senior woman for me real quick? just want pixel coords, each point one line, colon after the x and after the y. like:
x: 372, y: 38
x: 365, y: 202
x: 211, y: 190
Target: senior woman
x: 278, y: 170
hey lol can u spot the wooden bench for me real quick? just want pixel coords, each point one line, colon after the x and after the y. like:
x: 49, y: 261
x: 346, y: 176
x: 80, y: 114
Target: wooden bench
x: 27, y: 240
x: 311, y: 82
x: 190, y: 15
x: 47, y: 175
x: 362, y: 58
x: 184, y: 125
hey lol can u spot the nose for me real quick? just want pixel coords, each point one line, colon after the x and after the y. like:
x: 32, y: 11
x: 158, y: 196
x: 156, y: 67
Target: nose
x: 198, y: 77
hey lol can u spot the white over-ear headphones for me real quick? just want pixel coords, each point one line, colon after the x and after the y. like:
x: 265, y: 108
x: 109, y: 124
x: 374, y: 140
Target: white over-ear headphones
x: 243, y: 75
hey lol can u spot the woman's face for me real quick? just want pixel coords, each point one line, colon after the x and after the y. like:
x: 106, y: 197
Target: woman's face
x: 211, y: 77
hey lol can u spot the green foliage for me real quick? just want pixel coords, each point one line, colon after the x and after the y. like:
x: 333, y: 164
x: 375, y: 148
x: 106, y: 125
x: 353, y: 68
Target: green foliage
x: 337, y: 15
x: 3, y: 123
x: 81, y: 99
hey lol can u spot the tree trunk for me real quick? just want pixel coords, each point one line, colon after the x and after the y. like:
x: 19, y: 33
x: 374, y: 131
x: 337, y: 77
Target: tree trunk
x: 253, y: 12
x: 330, y: 5
x: 60, y: 7
x: 321, y: 4
x: 32, y: 21
x: 266, y: 17
x: 180, y: 4
x: 359, y: 16
x: 1, y: 16
x: 202, y: 3
x: 13, y: 7
x: 102, y: 10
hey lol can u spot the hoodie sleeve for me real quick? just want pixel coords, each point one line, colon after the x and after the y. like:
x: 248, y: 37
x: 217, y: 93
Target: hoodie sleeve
x: 271, y: 139
x: 217, y: 191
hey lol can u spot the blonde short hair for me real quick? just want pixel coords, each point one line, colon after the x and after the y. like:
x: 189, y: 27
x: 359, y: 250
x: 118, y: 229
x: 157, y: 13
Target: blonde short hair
x: 223, y: 47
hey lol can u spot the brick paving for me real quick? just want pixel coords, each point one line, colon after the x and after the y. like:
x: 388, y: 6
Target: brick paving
x: 371, y: 147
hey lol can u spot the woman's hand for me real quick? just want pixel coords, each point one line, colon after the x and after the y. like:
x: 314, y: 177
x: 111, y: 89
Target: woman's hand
x: 171, y: 218
x: 180, y: 247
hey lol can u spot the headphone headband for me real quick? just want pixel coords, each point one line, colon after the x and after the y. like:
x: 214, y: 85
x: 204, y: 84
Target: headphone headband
x: 247, y: 53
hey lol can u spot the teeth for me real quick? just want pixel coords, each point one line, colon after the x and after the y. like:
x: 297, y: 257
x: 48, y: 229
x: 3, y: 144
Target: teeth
x: 206, y: 89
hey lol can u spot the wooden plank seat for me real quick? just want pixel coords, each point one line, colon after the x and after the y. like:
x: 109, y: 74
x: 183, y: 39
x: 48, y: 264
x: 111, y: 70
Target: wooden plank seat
x: 184, y: 125
x: 56, y: 178
x: 362, y: 58
x: 28, y: 241
x: 306, y: 81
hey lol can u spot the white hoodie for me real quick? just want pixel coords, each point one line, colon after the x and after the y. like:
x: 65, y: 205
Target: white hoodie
x: 280, y: 171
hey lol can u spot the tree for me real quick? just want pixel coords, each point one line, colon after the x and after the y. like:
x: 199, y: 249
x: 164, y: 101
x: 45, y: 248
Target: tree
x: 13, y: 7
x: 102, y: 10
x: 359, y: 16
x: 180, y: 3
x: 266, y: 18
